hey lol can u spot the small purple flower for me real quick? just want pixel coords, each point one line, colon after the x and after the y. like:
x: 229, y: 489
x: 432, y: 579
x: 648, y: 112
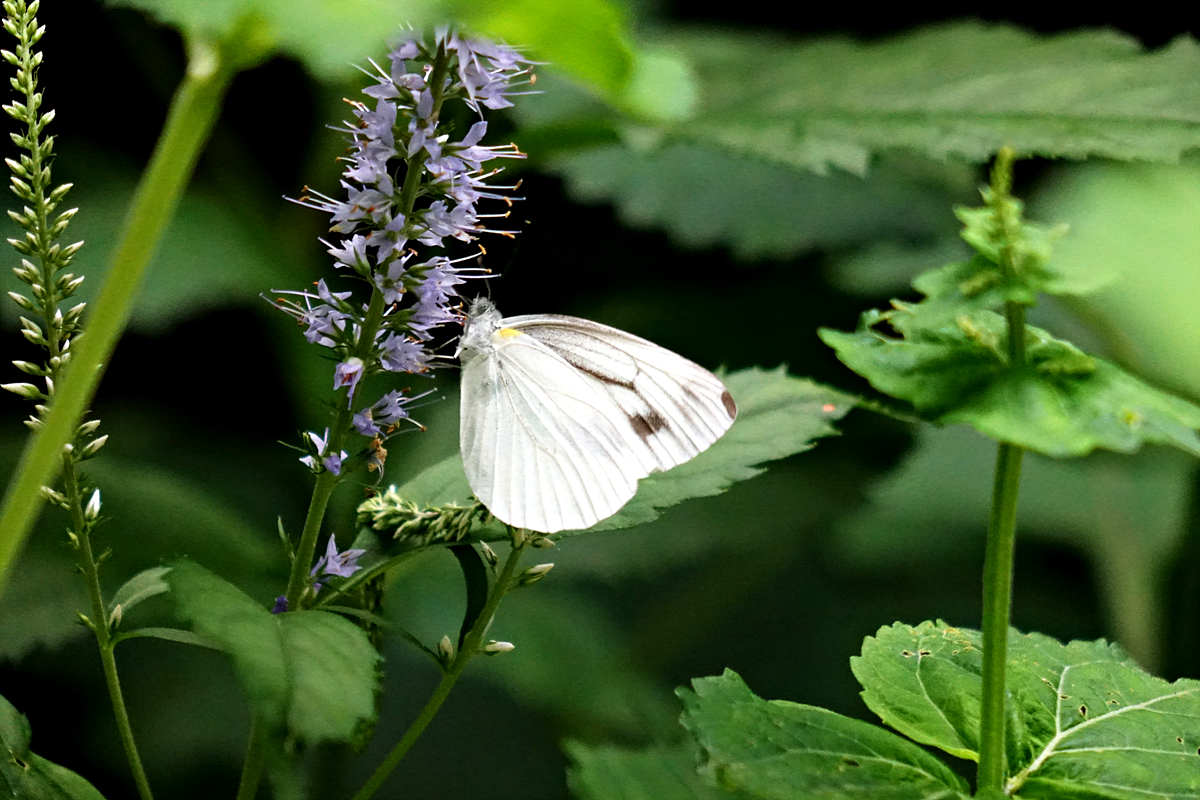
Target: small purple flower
x: 281, y: 605
x: 384, y: 413
x: 402, y: 354
x: 349, y: 373
x: 316, y: 447
x: 342, y: 565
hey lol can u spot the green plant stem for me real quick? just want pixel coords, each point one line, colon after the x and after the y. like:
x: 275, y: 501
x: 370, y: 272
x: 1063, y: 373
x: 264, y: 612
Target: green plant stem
x: 997, y: 605
x: 1002, y: 526
x: 470, y: 647
x: 189, y: 121
x: 252, y: 765
x: 99, y: 624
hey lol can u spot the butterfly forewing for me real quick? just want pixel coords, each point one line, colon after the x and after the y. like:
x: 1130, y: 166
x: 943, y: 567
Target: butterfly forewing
x: 676, y: 407
x: 561, y: 416
x: 539, y: 443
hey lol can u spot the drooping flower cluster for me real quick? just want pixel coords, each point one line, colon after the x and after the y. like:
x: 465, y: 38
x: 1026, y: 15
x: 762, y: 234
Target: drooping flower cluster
x: 410, y: 183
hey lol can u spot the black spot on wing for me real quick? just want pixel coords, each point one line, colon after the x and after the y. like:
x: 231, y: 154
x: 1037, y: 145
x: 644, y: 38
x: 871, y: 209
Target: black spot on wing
x: 730, y: 406
x: 648, y: 424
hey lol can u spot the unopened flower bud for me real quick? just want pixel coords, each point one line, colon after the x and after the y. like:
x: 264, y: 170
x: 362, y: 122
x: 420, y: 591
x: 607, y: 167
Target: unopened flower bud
x: 534, y: 574
x: 542, y: 542
x: 93, y: 447
x: 54, y: 497
x: 114, y: 619
x: 493, y: 647
x: 26, y: 390
x: 446, y: 650
x: 92, y: 510
x: 489, y: 555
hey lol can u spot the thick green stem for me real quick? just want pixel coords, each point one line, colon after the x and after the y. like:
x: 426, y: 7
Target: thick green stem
x: 469, y: 649
x: 192, y: 113
x: 997, y: 605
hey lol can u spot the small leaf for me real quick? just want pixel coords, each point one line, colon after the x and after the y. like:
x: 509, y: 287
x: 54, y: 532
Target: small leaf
x: 311, y: 670
x: 146, y: 584
x: 604, y: 772
x: 788, y: 751
x: 28, y: 776
x: 171, y: 635
x: 1064, y: 403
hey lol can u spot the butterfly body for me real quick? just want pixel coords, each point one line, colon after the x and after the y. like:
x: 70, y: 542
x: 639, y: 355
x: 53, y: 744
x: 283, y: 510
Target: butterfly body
x: 562, y: 416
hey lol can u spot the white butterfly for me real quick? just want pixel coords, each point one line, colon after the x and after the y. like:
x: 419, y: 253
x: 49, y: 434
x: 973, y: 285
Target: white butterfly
x: 561, y: 416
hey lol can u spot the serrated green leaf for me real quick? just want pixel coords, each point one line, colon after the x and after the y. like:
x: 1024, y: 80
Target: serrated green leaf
x: 778, y: 416
x: 605, y: 772
x: 1064, y: 403
x: 924, y: 681
x: 959, y: 90
x: 28, y: 776
x: 146, y: 584
x: 698, y: 194
x: 1091, y: 723
x: 310, y: 670
x: 788, y: 751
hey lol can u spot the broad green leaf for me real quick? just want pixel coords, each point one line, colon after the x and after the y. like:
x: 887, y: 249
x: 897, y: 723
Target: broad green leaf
x: 1087, y: 721
x: 698, y: 194
x: 28, y: 776
x: 788, y: 751
x: 311, y: 670
x: 1126, y: 514
x: 959, y: 90
x: 1064, y: 403
x: 925, y: 682
x: 604, y: 772
x: 778, y: 416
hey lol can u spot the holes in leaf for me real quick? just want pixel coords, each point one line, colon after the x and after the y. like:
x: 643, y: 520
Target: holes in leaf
x: 906, y: 653
x: 1083, y: 711
x: 849, y: 762
x: 924, y: 653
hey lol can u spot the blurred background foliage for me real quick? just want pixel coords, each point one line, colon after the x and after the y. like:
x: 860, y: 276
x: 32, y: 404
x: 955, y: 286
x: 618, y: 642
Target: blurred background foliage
x: 717, y: 233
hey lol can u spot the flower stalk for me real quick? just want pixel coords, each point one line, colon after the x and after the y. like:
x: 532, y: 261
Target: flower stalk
x: 382, y: 224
